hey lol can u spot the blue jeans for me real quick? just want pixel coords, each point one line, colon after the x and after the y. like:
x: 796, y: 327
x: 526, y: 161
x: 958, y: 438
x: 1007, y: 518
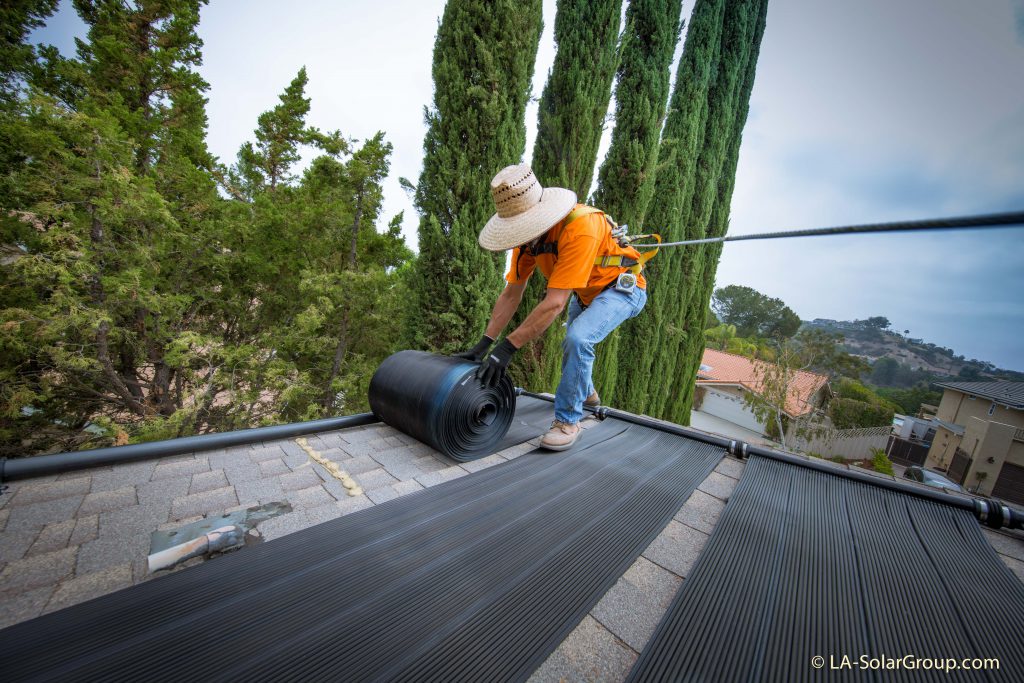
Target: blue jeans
x: 587, y: 327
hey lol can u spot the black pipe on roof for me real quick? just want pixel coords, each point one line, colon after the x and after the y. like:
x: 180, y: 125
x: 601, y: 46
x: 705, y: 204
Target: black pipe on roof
x: 22, y: 468
x: 993, y: 513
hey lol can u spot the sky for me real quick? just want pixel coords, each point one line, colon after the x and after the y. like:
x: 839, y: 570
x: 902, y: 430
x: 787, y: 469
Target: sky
x: 861, y: 112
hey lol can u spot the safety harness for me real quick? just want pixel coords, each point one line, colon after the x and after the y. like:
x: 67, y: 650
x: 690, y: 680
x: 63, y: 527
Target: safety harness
x: 630, y: 264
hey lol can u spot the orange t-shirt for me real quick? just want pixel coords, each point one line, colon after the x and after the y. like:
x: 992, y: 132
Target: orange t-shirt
x: 579, y: 244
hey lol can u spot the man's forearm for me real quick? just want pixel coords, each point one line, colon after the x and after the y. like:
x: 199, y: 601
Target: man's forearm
x: 504, y: 308
x: 540, y: 319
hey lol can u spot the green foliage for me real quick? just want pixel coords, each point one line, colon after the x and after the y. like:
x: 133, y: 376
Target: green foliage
x: 627, y: 176
x: 880, y: 462
x: 754, y: 313
x: 855, y: 405
x: 696, y: 166
x: 825, y: 354
x: 849, y: 413
x: 909, y: 400
x: 483, y: 62
x: 141, y: 303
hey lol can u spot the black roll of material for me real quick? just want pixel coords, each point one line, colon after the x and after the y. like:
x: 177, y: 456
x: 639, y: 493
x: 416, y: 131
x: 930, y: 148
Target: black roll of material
x: 439, y: 401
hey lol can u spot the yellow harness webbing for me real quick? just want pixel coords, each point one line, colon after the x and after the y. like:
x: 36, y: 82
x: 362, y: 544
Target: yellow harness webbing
x: 620, y: 261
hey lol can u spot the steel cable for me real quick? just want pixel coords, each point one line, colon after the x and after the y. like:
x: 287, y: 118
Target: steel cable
x: 993, y: 220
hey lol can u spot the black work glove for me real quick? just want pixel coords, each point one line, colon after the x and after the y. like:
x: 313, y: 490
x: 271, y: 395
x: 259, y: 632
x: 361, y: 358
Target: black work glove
x: 493, y: 367
x: 477, y: 353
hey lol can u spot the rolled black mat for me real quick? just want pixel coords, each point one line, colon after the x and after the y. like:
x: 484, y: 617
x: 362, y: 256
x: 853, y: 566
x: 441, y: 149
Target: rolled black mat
x: 439, y: 401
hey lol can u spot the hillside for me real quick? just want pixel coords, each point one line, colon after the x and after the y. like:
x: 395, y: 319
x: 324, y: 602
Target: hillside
x: 917, y: 359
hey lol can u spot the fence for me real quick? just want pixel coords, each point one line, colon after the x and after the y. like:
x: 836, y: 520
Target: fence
x: 848, y: 444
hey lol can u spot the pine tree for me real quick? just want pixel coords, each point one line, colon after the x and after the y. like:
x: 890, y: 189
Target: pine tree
x: 569, y: 126
x: 279, y: 133
x: 626, y: 178
x: 483, y: 62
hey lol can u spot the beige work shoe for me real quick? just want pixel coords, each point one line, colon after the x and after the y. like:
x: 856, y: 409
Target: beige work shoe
x: 560, y: 437
x: 592, y: 401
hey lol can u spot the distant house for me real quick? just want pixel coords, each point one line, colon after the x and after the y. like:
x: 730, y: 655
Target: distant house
x: 724, y: 379
x: 979, y: 437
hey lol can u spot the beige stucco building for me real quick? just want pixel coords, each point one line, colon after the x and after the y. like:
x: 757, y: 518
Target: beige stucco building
x: 979, y: 437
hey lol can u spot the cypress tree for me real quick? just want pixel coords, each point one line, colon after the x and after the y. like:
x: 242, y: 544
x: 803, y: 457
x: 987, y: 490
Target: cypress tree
x: 626, y: 178
x: 718, y: 224
x: 736, y: 38
x: 648, y: 342
x: 483, y: 62
x: 571, y: 114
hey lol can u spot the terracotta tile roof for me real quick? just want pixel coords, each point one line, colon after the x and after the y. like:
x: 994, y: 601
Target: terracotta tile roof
x: 719, y: 367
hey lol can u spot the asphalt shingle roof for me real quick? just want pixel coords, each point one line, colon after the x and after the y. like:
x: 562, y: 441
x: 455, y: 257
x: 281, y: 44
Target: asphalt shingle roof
x: 1005, y: 392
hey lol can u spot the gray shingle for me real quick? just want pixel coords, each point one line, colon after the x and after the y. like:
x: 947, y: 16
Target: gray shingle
x: 53, y: 537
x: 354, y: 504
x: 260, y: 491
x: 126, y: 474
x: 38, y: 515
x: 23, y: 605
x: 718, y: 485
x: 106, y: 501
x: 730, y: 467
x: 259, y: 453
x: 701, y: 511
x: 382, y: 494
x: 632, y: 611
x: 282, y: 525
x: 441, y: 476
x: 243, y: 471
x: 358, y: 465
x: 299, y: 479
x: 203, y: 503
x: 589, y: 653
x: 167, y: 470
x: 15, y: 542
x: 311, y: 497
x: 483, y: 463
x: 137, y: 520
x: 208, y: 481
x: 86, y: 529
x: 37, y: 571
x: 430, y: 464
x: 392, y: 457
x: 323, y: 513
x: 109, y: 551
x: 89, y: 586
x: 375, y: 479
x: 676, y: 548
x: 405, y: 471
x: 1016, y: 566
x: 164, y: 490
x: 273, y: 467
x: 42, y: 492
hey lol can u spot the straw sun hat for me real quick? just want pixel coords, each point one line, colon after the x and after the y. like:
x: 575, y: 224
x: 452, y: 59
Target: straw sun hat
x: 525, y: 209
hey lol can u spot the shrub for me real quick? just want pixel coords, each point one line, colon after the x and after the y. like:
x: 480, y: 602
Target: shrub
x: 880, y: 462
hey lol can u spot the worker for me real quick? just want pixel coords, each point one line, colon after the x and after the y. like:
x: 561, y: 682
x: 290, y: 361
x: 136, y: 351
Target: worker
x: 548, y: 230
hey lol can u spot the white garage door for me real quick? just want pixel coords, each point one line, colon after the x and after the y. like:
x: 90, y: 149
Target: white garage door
x: 731, y: 409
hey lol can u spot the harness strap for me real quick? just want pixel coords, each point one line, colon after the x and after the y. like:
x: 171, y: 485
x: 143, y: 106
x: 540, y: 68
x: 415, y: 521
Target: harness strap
x: 634, y: 265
